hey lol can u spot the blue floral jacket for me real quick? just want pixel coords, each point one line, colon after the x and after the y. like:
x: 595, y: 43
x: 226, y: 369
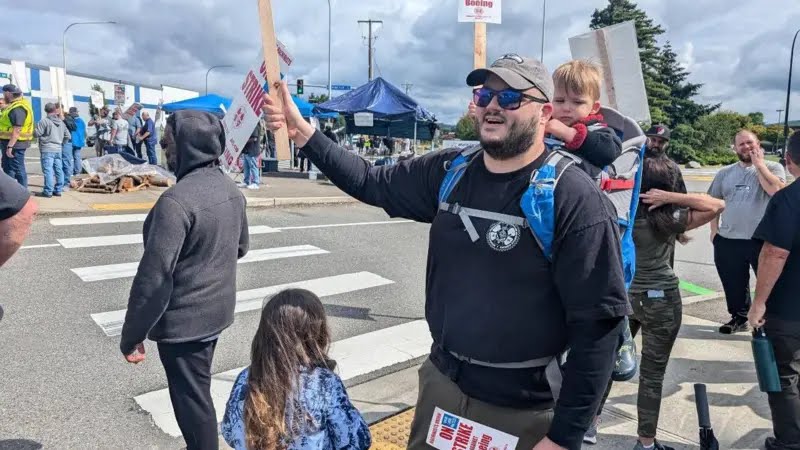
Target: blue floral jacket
x: 337, y: 423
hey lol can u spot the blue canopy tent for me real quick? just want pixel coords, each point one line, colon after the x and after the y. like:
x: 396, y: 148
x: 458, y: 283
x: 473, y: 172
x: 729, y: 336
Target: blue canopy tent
x: 211, y: 103
x: 395, y: 114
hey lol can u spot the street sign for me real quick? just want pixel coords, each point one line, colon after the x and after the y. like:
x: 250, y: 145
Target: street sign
x: 5, y: 75
x: 341, y: 87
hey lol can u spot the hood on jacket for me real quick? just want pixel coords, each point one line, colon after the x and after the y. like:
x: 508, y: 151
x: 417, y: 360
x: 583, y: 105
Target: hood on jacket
x: 55, y: 119
x: 199, y: 140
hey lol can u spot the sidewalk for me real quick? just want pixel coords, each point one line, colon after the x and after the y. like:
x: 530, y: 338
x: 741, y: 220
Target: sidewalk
x: 274, y: 192
x: 739, y: 412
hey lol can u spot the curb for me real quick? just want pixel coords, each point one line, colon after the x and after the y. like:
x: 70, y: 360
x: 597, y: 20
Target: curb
x: 252, y: 203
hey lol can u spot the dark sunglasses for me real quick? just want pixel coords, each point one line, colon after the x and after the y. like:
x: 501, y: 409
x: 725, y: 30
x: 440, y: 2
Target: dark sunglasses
x: 507, y: 98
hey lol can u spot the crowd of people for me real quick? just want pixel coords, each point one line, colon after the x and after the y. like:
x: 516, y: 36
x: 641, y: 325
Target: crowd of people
x: 525, y: 334
x: 61, y: 137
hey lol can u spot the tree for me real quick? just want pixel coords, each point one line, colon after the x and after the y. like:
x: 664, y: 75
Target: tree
x: 757, y: 118
x: 682, y: 109
x: 465, y: 128
x: 647, y: 32
x: 316, y: 99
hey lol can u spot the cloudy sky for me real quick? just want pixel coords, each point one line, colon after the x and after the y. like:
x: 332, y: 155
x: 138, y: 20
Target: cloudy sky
x: 738, y: 48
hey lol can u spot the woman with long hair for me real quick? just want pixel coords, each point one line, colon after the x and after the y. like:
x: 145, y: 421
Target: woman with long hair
x: 290, y: 398
x: 664, y: 215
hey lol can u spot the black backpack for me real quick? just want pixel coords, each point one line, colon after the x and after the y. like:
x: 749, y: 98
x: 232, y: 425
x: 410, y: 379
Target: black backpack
x: 70, y: 122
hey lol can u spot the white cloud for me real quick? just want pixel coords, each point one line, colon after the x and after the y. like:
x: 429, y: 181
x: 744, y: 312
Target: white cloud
x: 739, y: 49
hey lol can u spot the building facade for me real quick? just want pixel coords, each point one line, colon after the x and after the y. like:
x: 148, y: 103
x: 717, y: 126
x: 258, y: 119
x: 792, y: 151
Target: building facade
x: 42, y: 79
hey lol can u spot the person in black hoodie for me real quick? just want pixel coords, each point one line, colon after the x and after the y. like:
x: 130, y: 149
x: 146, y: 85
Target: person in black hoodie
x: 184, y: 292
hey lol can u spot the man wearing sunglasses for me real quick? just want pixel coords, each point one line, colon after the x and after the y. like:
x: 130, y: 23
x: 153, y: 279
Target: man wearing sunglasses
x: 499, y: 311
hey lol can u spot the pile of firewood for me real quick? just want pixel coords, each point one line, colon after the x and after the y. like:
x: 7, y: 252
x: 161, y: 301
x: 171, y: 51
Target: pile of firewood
x: 126, y: 183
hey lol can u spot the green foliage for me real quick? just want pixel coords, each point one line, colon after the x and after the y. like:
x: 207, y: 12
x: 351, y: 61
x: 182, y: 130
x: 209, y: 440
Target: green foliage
x: 756, y: 117
x: 316, y: 99
x: 465, y: 128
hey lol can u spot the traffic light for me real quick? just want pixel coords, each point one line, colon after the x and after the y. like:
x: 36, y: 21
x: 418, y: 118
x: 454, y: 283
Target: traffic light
x: 299, y: 87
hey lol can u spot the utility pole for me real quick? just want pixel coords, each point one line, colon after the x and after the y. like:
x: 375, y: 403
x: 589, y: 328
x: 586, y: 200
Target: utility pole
x: 779, y: 115
x: 407, y: 86
x: 369, y: 23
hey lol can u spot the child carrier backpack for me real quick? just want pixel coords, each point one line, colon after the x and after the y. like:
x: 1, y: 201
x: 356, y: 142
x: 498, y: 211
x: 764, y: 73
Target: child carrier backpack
x: 620, y: 182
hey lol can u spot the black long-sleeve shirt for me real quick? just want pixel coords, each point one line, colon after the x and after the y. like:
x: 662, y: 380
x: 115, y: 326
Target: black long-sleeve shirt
x: 498, y: 299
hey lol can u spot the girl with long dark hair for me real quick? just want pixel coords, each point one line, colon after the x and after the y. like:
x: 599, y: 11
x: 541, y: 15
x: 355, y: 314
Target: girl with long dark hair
x: 663, y: 217
x: 290, y: 398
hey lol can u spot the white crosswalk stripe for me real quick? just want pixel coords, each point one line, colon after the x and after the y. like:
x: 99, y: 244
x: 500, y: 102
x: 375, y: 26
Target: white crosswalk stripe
x: 252, y: 299
x: 359, y: 357
x: 95, y: 220
x: 113, y: 271
x: 123, y: 239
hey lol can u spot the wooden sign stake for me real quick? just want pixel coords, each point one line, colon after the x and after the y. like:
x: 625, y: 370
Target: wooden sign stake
x: 480, y: 46
x: 270, y: 46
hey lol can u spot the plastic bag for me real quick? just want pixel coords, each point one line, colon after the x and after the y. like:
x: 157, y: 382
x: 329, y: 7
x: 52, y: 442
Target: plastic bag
x: 109, y: 168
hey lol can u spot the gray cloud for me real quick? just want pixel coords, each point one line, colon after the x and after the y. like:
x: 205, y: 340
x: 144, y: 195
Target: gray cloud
x: 740, y: 49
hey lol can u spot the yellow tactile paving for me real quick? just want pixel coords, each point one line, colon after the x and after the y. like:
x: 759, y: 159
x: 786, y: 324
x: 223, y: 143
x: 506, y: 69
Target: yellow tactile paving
x: 121, y: 206
x: 392, y: 433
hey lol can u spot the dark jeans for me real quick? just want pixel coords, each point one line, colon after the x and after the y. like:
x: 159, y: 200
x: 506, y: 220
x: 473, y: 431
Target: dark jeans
x: 76, y: 160
x: 188, y: 369
x: 151, y: 152
x: 15, y: 167
x: 137, y: 147
x: 785, y: 405
x: 659, y: 318
x: 734, y: 258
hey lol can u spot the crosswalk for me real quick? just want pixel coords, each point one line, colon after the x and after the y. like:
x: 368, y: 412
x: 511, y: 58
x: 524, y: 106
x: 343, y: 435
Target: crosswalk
x: 359, y: 356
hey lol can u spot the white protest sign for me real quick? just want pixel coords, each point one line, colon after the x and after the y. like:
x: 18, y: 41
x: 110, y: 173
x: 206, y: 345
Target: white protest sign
x: 132, y: 110
x: 20, y: 75
x: 616, y: 51
x: 57, y: 82
x: 284, y: 54
x: 479, y: 11
x: 242, y: 116
x: 363, y: 119
x: 96, y: 97
x: 451, y: 432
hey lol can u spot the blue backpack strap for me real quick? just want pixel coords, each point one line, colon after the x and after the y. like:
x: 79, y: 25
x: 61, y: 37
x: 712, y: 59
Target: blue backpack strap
x: 538, y: 201
x: 455, y: 169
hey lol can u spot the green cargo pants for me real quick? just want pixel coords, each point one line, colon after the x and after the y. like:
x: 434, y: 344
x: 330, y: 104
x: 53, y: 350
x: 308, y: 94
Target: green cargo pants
x: 659, y: 318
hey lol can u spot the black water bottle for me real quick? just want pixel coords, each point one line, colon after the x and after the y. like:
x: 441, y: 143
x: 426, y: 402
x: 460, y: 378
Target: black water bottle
x: 766, y: 366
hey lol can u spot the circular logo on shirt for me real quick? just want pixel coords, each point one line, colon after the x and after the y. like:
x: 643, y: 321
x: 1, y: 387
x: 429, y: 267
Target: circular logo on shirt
x: 502, y: 236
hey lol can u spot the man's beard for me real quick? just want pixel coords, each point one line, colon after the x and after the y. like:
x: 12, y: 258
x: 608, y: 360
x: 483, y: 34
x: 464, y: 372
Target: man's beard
x: 744, y: 158
x: 654, y: 152
x: 519, y: 139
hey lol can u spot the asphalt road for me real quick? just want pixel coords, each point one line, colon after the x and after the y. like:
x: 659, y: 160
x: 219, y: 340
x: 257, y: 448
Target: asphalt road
x: 64, y: 382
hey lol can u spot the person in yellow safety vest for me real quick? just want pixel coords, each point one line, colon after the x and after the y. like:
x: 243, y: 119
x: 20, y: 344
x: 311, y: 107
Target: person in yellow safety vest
x: 16, y: 133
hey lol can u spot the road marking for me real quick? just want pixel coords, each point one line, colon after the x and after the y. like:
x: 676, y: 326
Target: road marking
x: 358, y: 358
x: 39, y: 246
x: 114, y: 271
x: 121, y: 206
x: 124, y: 239
x: 351, y: 224
x: 92, y: 220
x: 251, y: 300
x: 695, y: 289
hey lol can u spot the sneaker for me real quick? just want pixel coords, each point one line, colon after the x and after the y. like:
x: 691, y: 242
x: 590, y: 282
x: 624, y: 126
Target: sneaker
x: 590, y: 437
x: 626, y: 365
x: 735, y: 325
x: 43, y: 195
x: 656, y: 446
x: 57, y: 194
x: 241, y: 185
x: 253, y: 187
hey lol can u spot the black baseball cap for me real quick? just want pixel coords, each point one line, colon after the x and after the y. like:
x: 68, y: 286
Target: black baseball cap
x: 12, y: 88
x: 659, y: 130
x: 519, y: 72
